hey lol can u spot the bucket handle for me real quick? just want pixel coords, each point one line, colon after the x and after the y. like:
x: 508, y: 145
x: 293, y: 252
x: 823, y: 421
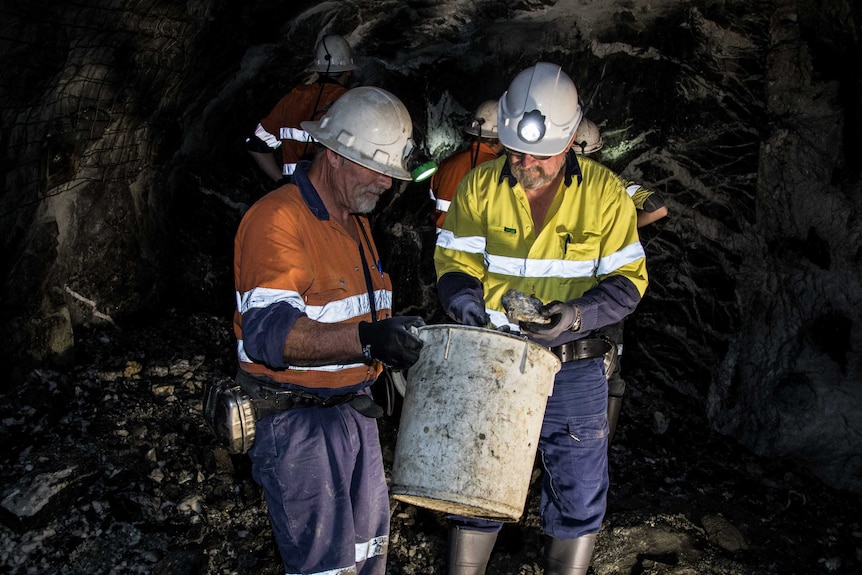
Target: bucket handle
x: 523, y: 367
x: 448, y: 343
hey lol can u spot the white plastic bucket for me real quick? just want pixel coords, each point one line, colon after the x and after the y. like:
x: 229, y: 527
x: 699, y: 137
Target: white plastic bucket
x: 470, y: 423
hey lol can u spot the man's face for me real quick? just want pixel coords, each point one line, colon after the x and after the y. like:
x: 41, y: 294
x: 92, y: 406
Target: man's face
x: 359, y: 188
x: 533, y: 172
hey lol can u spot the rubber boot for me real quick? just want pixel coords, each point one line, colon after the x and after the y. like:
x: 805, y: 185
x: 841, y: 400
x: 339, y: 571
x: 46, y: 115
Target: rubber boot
x: 469, y: 551
x: 569, y: 556
x: 615, y: 404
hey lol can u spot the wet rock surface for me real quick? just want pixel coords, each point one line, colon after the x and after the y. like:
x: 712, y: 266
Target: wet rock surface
x: 110, y: 468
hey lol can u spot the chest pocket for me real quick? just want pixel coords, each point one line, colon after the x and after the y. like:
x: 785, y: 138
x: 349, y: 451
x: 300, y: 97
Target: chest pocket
x: 324, y: 298
x: 580, y: 246
x: 503, y: 241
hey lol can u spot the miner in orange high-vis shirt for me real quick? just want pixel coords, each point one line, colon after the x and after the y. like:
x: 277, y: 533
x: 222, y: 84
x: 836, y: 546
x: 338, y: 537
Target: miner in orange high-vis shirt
x: 484, y: 146
x: 281, y: 130
x: 314, y: 328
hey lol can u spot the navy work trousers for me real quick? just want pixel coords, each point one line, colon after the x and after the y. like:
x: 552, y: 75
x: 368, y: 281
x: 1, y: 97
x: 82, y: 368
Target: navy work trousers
x: 321, y: 469
x: 573, y: 449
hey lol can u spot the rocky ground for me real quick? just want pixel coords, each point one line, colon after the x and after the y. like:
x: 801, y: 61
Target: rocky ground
x: 111, y: 469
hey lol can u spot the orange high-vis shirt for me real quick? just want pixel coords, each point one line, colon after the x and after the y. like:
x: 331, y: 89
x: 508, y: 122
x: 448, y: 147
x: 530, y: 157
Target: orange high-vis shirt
x: 291, y: 260
x: 449, y: 174
x: 282, y: 126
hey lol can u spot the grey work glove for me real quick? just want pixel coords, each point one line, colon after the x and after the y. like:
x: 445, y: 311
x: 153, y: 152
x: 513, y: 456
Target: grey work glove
x: 563, y: 316
x: 390, y: 341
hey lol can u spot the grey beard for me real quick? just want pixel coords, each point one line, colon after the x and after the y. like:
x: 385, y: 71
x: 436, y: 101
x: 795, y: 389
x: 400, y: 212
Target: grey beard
x: 530, y: 180
x: 365, y: 204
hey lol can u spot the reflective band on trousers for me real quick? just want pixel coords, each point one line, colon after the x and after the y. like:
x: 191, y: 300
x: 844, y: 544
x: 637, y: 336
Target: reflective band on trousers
x: 375, y: 547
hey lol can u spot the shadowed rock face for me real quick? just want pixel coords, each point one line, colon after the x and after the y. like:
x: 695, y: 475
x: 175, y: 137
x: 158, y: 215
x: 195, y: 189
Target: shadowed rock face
x: 124, y: 175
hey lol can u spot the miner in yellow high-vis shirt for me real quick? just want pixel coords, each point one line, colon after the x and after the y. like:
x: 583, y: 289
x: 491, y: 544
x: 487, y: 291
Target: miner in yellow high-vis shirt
x: 561, y: 228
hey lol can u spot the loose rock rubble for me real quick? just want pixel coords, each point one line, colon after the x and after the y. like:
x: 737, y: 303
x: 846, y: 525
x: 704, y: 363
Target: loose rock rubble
x: 111, y: 469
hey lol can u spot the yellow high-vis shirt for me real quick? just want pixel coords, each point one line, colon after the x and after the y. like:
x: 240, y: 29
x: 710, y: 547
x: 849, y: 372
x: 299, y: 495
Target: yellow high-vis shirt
x: 590, y: 234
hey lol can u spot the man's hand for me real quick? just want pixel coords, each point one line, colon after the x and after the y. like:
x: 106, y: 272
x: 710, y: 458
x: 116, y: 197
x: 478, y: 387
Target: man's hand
x: 564, y: 317
x: 474, y: 314
x: 390, y: 341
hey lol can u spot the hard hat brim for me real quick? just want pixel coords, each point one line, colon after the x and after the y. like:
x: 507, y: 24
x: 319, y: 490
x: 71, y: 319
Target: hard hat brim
x: 314, y: 129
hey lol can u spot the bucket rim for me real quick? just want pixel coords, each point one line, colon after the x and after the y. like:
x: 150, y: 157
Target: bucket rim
x: 460, y: 327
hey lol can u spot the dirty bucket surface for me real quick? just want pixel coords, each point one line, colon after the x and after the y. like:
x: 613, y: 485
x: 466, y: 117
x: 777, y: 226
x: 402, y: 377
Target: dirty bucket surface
x: 470, y: 422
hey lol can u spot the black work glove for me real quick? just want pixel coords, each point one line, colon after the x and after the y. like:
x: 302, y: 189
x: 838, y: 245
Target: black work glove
x: 474, y: 314
x: 390, y: 341
x: 564, y: 317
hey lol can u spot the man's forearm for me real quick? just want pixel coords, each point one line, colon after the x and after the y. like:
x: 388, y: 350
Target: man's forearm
x: 312, y: 343
x: 266, y: 162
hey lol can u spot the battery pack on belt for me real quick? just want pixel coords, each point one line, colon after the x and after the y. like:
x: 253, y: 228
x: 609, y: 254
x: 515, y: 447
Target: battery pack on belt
x: 232, y: 408
x: 581, y: 349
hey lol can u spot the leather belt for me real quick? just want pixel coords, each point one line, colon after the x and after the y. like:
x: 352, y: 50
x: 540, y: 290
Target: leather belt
x: 268, y: 399
x: 581, y: 349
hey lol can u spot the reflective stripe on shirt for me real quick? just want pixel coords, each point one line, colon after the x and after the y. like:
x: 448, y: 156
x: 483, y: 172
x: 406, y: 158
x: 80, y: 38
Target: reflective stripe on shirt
x: 266, y: 137
x: 628, y: 255
x: 264, y: 297
x: 470, y: 245
x: 243, y: 357
x: 333, y: 312
x: 297, y: 134
x: 519, y: 267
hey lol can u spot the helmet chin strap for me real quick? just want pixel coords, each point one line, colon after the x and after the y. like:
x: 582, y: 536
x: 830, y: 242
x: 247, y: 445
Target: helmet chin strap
x: 479, y: 122
x: 315, y: 110
x: 328, y: 56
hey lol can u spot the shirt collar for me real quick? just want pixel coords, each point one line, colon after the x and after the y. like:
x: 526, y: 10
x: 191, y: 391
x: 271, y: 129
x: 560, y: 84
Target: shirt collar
x: 572, y: 169
x: 306, y: 189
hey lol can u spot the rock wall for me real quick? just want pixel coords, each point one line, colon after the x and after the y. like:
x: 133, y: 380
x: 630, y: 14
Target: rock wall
x: 124, y: 174
x: 789, y: 382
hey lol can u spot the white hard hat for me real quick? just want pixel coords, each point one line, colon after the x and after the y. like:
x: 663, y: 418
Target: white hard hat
x: 540, y: 112
x: 332, y: 55
x: 369, y: 126
x: 484, y: 120
x: 589, y: 139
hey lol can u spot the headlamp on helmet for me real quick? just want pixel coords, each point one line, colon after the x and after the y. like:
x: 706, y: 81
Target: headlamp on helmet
x: 420, y: 165
x: 540, y: 111
x: 531, y: 128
